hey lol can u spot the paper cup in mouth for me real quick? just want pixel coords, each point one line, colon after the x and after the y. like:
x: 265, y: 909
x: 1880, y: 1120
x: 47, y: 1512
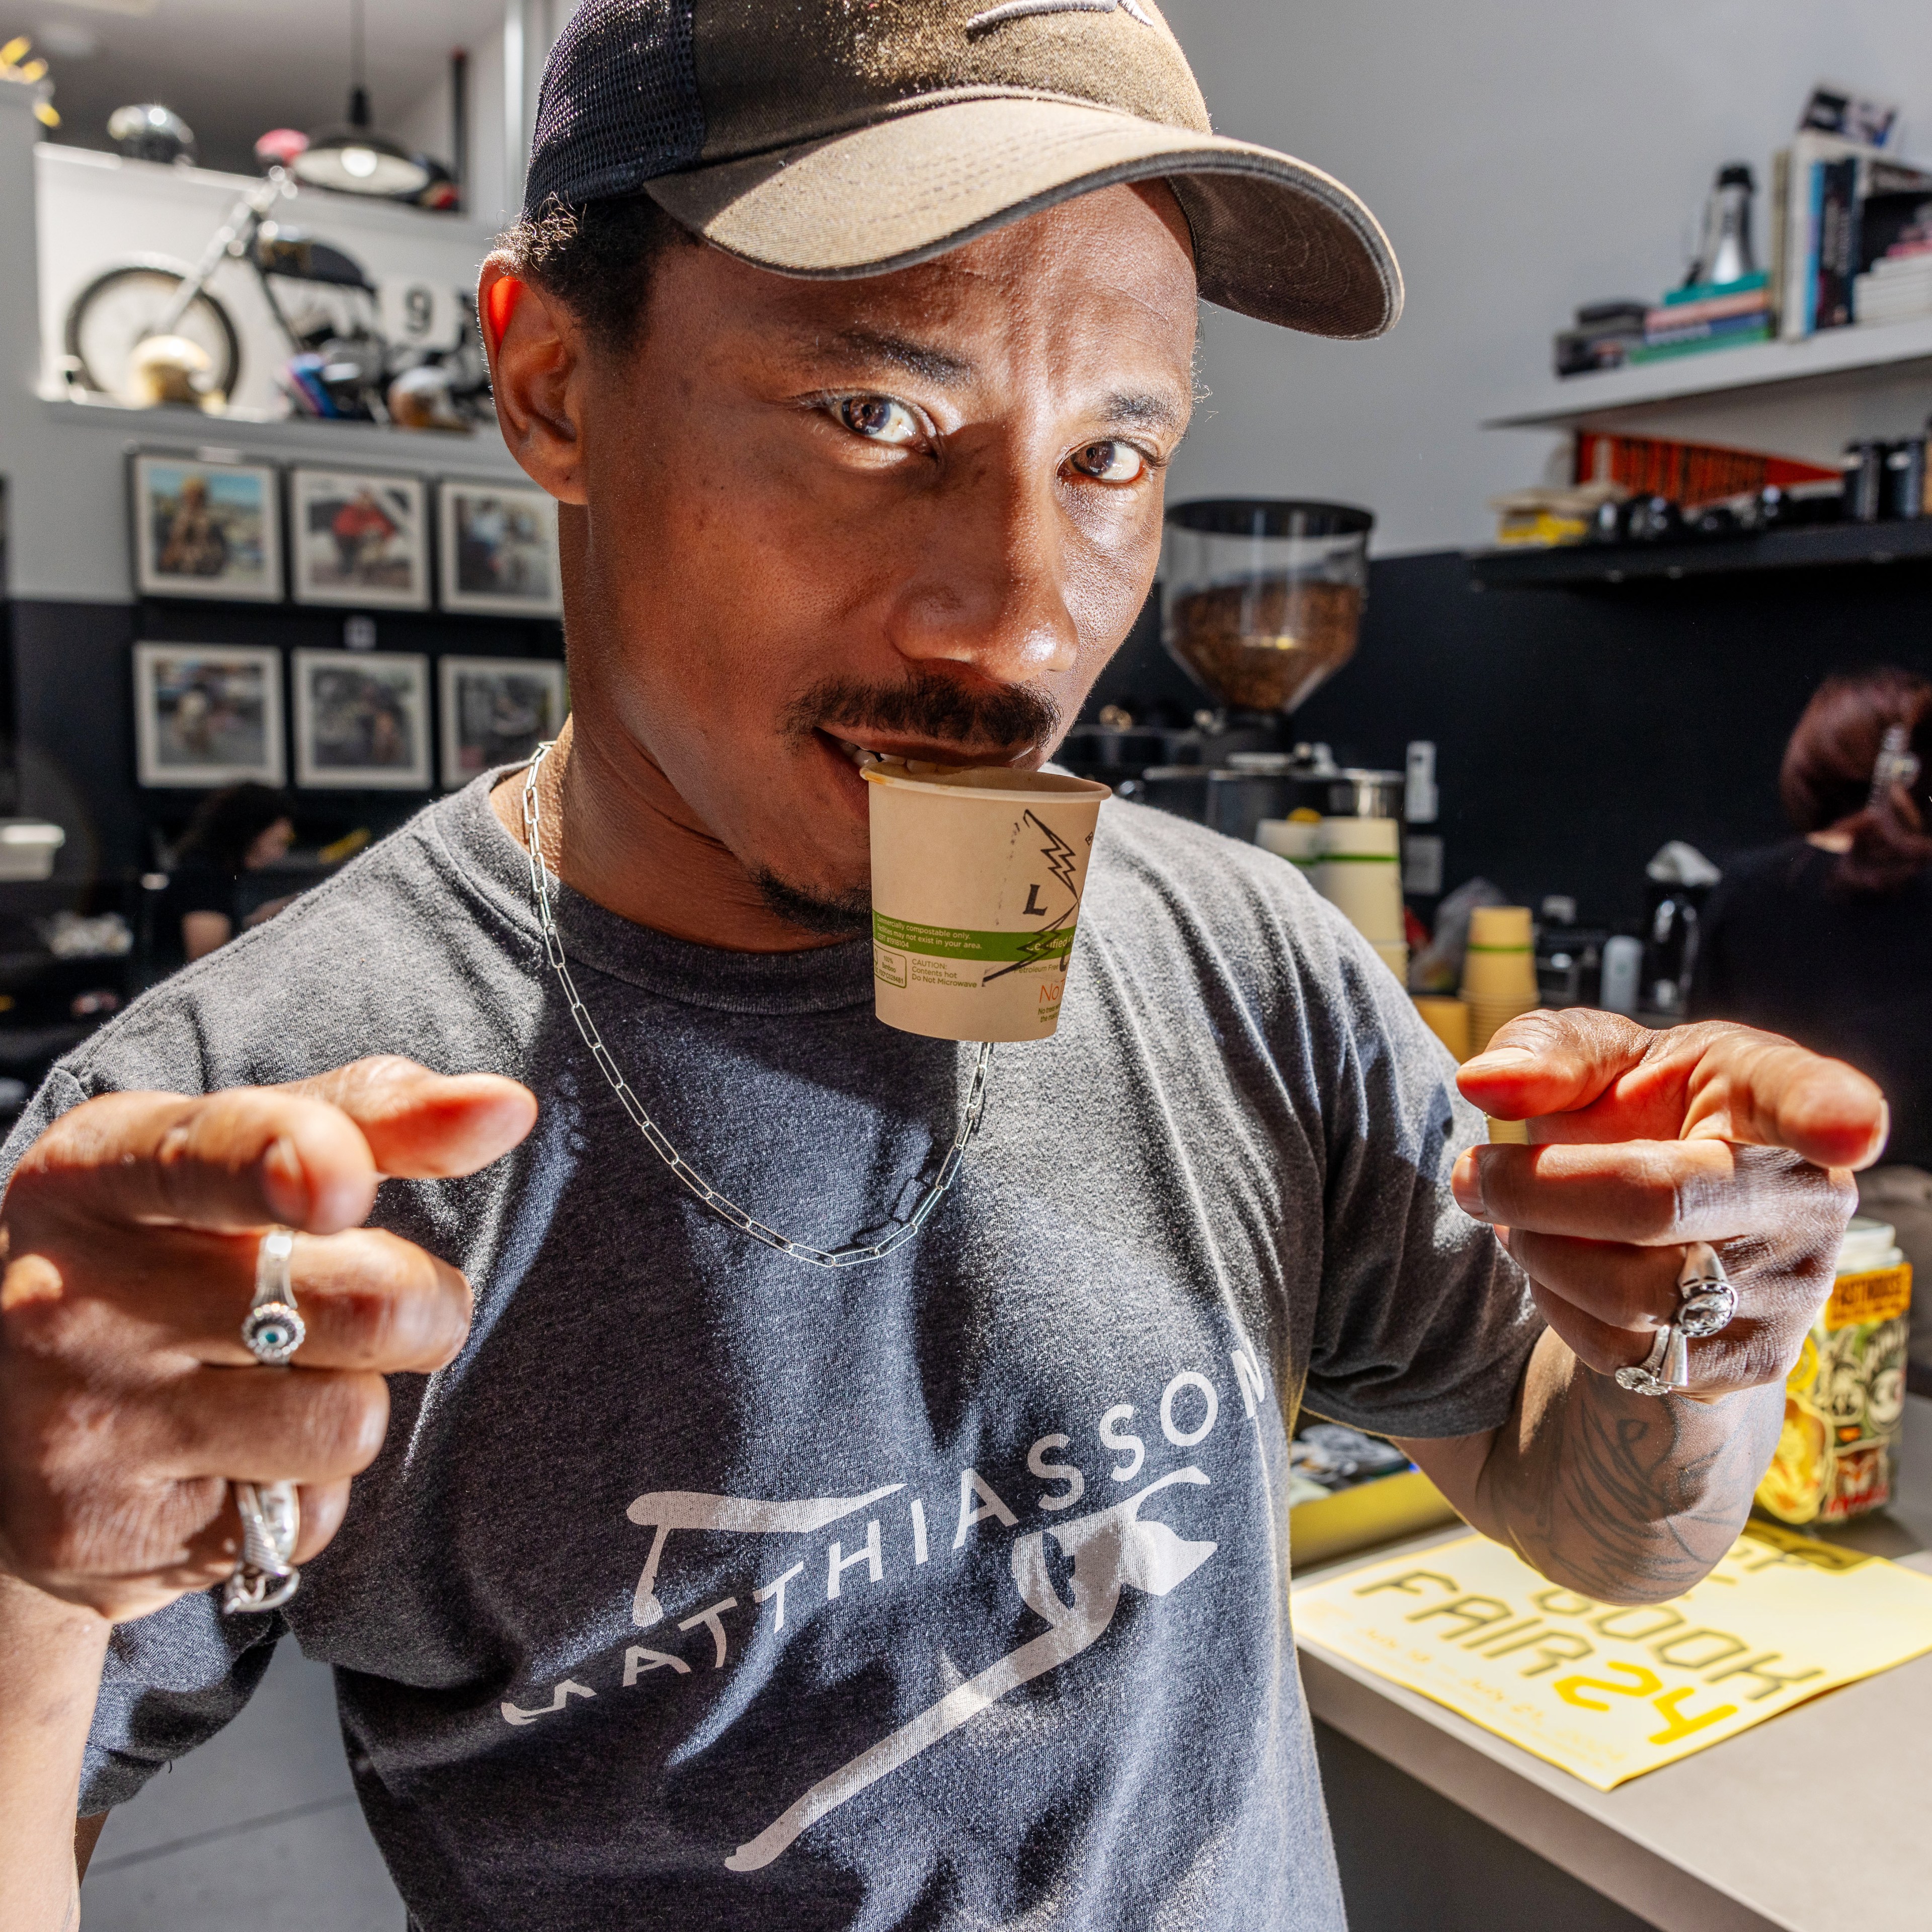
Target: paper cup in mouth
x: 976, y: 879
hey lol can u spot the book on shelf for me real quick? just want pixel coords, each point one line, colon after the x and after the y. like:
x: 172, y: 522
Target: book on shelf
x: 1750, y: 326
x: 1753, y: 299
x: 1695, y: 292
x: 1686, y: 472
x: 1837, y: 209
x: 1760, y: 330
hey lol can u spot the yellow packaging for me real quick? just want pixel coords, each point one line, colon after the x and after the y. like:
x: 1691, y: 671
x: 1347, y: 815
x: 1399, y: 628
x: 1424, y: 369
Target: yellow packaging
x: 1844, y: 1401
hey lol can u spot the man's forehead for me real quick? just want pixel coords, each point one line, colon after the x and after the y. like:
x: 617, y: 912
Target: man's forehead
x: 1118, y: 288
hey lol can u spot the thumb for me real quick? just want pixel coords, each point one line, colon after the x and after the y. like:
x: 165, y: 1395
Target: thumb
x: 1554, y: 1063
x: 422, y: 1126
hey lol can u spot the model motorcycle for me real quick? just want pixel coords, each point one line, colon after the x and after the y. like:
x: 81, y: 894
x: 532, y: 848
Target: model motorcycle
x: 149, y: 330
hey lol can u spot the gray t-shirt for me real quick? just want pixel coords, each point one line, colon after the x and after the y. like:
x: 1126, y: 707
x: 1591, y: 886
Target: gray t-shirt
x: 707, y: 1588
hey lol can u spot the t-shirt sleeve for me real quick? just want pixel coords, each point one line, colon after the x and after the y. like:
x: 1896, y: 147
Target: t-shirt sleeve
x: 1423, y: 1324
x: 172, y: 1680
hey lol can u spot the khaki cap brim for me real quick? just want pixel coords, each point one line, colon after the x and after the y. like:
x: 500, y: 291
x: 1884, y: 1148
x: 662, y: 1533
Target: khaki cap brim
x: 1274, y: 238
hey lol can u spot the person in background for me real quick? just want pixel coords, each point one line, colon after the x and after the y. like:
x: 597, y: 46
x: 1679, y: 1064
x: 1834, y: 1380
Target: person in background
x: 242, y: 829
x: 1827, y: 937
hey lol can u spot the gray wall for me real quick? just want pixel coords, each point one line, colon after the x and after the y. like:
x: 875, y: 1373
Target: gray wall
x: 1524, y: 157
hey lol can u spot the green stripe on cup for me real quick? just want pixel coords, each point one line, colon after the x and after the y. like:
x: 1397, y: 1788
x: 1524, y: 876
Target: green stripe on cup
x: 1498, y: 948
x: 953, y: 942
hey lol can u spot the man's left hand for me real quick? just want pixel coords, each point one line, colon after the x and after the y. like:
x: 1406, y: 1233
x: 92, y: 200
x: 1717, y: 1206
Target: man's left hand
x: 1643, y: 1142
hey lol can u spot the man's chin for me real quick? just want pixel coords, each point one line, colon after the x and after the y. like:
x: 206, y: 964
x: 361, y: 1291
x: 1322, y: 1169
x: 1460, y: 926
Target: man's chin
x: 840, y: 916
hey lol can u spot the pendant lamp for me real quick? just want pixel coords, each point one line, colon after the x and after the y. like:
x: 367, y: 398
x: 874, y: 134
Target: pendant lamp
x: 356, y: 159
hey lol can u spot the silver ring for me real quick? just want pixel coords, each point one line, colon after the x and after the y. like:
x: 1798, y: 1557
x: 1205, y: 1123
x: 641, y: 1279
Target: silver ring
x: 1666, y: 1370
x: 1708, y: 1303
x: 274, y: 1329
x: 265, y: 1576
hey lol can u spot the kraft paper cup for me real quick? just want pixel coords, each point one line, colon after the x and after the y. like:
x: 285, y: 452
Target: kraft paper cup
x: 976, y: 879
x: 1500, y: 965
x: 1448, y: 1019
x: 1503, y: 925
x: 1361, y: 875
x: 1488, y: 1017
x: 1297, y: 840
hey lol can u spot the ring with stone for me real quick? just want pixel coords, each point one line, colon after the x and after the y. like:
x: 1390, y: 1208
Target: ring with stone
x: 274, y: 1329
x: 1708, y: 1303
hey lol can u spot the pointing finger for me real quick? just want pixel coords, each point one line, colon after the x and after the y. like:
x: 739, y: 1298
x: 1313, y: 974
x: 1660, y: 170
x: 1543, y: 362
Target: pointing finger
x: 236, y: 1160
x: 1586, y: 1076
x: 421, y: 1125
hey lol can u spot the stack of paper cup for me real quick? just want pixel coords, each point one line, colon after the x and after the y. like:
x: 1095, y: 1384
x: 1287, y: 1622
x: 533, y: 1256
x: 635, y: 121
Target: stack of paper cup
x: 1360, y: 874
x: 1298, y: 839
x: 1448, y: 1019
x: 1498, y: 971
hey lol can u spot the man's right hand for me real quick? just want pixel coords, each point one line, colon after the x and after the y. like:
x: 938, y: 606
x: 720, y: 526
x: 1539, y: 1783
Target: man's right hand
x: 128, y: 1401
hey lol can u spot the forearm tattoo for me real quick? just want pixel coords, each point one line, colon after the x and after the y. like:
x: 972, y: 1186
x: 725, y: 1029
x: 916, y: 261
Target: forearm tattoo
x: 1623, y: 1496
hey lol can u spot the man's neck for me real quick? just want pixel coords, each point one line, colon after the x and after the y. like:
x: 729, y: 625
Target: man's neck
x: 615, y: 829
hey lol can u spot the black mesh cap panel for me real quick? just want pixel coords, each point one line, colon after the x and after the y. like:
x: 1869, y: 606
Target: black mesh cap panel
x: 618, y: 105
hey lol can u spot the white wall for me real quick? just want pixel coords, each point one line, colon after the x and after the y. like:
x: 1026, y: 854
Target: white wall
x: 1524, y: 157
x: 64, y: 463
x: 96, y: 210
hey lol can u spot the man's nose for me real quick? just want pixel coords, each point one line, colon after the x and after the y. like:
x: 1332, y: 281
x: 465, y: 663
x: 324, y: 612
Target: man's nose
x: 989, y: 589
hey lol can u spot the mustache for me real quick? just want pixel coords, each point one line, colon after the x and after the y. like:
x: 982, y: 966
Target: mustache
x: 928, y: 704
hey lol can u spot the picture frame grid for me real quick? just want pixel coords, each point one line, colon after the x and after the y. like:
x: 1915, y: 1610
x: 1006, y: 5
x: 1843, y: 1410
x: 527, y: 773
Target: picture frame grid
x: 359, y: 539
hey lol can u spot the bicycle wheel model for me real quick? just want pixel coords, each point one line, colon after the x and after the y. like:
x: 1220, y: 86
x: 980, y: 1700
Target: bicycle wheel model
x: 118, y: 310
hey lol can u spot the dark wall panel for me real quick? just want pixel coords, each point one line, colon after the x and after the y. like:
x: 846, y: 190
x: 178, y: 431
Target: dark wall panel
x: 1577, y: 730
x: 73, y: 695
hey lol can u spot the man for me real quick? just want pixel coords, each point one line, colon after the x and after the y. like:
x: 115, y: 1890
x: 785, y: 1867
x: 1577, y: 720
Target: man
x: 683, y: 1582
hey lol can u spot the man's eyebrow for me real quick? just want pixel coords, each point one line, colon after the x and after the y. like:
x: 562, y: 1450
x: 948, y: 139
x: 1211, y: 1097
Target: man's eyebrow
x: 898, y: 352
x: 1144, y: 410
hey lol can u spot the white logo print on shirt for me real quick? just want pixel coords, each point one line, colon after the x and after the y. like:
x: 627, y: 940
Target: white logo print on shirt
x: 668, y: 1509
x: 1108, y: 1550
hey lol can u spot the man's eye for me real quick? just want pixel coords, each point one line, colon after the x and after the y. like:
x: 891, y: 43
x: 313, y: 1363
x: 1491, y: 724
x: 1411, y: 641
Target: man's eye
x: 879, y: 419
x: 1110, y: 462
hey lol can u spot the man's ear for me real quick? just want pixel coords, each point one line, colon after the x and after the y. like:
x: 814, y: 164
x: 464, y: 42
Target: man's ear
x: 536, y: 377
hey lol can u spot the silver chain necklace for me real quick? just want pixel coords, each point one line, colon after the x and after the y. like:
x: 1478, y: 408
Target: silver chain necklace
x: 854, y: 1254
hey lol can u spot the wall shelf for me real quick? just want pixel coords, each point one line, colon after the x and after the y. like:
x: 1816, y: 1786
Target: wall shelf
x: 1834, y: 357
x: 1825, y: 546
x: 431, y: 453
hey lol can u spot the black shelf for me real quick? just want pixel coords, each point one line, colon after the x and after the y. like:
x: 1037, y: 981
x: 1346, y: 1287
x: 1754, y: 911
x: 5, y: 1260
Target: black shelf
x: 1829, y: 546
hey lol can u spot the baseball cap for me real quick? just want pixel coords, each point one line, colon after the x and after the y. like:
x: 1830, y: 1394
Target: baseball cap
x: 841, y: 138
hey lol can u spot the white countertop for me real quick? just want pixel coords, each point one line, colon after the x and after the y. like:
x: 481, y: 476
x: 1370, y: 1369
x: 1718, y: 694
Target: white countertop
x: 1819, y: 1820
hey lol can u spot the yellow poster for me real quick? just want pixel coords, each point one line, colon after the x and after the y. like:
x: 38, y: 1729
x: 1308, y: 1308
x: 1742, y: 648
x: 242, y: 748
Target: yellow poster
x: 1610, y: 1692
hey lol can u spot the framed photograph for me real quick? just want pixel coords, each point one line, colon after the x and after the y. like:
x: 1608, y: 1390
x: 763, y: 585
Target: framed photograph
x: 496, y: 711
x: 360, y: 539
x: 362, y: 721
x: 498, y: 550
x: 207, y: 715
x: 206, y: 529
